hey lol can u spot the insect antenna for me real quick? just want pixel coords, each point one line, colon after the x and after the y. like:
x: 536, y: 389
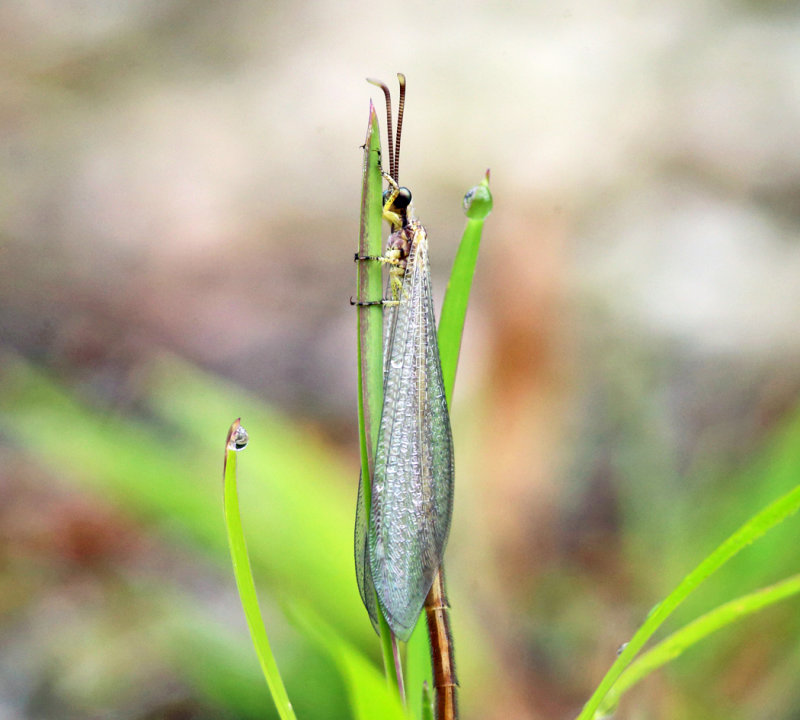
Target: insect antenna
x: 400, y: 107
x: 389, y: 137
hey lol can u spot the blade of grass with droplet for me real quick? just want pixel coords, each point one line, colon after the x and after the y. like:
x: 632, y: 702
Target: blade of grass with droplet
x: 477, y: 206
x: 244, y: 575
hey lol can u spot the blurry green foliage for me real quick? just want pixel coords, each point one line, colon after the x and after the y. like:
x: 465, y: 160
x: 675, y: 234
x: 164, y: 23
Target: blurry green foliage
x: 166, y: 474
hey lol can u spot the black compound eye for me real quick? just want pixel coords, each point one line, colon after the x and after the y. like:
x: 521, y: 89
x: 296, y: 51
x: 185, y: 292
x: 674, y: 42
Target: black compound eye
x: 403, y: 199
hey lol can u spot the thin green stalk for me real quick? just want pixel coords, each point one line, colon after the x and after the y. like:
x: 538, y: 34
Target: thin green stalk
x: 244, y: 576
x: 370, y: 344
x: 753, y: 529
x: 477, y: 206
x: 681, y: 640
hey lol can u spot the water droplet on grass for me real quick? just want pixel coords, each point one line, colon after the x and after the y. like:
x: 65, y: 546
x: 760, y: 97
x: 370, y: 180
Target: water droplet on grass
x: 238, y: 439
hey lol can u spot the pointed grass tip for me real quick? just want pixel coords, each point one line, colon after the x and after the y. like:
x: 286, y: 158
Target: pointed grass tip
x: 478, y: 200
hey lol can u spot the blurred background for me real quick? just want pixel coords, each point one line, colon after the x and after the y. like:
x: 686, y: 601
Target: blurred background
x: 179, y: 198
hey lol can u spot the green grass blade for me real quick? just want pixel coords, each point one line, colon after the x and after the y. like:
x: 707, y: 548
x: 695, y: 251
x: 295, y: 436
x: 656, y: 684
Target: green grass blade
x: 370, y: 287
x: 673, y: 646
x: 244, y: 580
x: 753, y: 529
x: 477, y: 206
x: 370, y: 340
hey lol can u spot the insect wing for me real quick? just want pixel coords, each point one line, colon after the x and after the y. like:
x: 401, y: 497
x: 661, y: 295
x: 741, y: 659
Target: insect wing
x: 366, y: 587
x: 412, y: 498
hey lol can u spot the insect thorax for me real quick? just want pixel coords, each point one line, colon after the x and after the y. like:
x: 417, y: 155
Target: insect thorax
x: 400, y: 241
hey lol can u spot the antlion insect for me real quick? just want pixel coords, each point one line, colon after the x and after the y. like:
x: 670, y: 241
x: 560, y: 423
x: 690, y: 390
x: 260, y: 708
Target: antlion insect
x: 399, y: 548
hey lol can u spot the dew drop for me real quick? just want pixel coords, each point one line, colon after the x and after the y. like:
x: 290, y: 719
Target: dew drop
x: 478, y: 200
x: 239, y: 439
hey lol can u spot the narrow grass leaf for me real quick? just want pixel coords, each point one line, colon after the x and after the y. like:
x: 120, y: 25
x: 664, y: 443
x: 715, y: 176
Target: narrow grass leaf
x: 370, y: 287
x: 477, y: 206
x: 244, y: 576
x: 754, y: 528
x: 370, y: 358
x: 673, y: 646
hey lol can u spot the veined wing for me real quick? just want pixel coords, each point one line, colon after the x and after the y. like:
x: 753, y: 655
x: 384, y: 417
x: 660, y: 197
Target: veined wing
x: 412, y: 498
x: 366, y: 588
